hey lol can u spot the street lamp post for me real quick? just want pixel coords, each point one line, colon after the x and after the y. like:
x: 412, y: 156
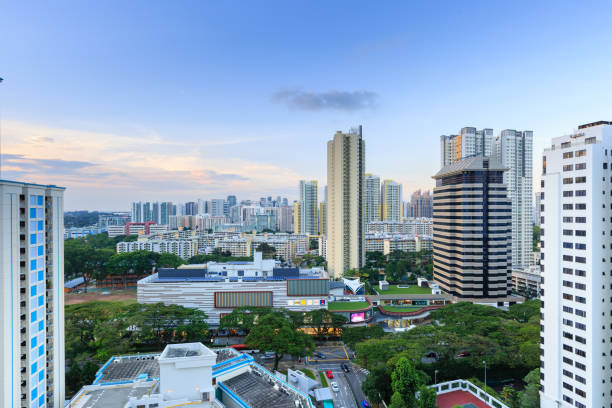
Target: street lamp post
x: 435, y: 376
x: 485, y: 382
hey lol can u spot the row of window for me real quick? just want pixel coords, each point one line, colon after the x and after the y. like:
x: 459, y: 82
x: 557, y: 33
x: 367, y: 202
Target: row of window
x: 578, y: 259
x: 571, y: 245
x: 579, y: 166
x: 569, y: 232
x: 571, y: 180
x: 570, y: 193
x: 578, y: 299
x: 578, y: 153
x: 569, y: 206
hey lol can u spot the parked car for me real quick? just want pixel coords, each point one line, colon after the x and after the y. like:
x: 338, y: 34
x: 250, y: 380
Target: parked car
x: 345, y: 367
x: 329, y: 374
x: 319, y: 356
x: 334, y: 386
x: 364, y: 404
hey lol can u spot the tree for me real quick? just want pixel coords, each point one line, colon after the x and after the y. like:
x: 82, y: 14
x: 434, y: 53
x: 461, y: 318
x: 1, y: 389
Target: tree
x: 427, y: 397
x: 536, y: 238
x: 377, y: 385
x: 530, y: 396
x: 267, y: 250
x: 405, y: 382
x: 313, y: 244
x: 168, y: 260
x: 273, y: 332
x: 511, y: 397
x: 243, y: 318
x: 353, y: 335
x: 322, y: 320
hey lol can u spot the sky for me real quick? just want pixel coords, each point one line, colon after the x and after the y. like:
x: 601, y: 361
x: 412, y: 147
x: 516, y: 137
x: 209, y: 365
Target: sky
x: 163, y: 100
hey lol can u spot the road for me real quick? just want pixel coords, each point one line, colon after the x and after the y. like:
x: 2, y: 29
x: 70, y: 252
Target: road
x: 344, y: 398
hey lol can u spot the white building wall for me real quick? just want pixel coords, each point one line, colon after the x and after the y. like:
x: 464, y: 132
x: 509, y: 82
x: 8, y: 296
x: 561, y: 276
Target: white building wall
x: 31, y: 302
x: 576, y: 282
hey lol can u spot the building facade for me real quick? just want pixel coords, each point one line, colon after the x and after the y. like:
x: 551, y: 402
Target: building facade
x: 469, y: 142
x: 417, y: 226
x: 346, y: 214
x: 309, y: 211
x: 421, y: 205
x: 514, y: 151
x: 372, y: 198
x: 31, y: 295
x: 391, y: 201
x: 472, y: 230
x: 576, y: 354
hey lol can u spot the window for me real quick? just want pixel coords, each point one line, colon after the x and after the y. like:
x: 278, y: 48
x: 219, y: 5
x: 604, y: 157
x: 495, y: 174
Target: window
x: 567, y: 386
x: 568, y: 271
x: 581, y: 353
x: 581, y: 153
x: 581, y: 179
x: 568, y: 258
x: 568, y: 322
x: 580, y: 246
x: 580, y: 233
x: 568, y: 245
x: 567, y: 399
x: 568, y: 361
x: 568, y: 232
x: 567, y: 296
x: 568, y: 206
x: 581, y: 220
x: 581, y: 206
x: 589, y: 140
x: 582, y: 166
x: 580, y: 272
x: 580, y: 392
x: 580, y: 340
x: 568, y: 194
x: 568, y: 180
x: 568, y: 167
x: 580, y: 259
x: 580, y: 299
x: 580, y: 286
x: 580, y: 379
x: 567, y: 348
x: 568, y: 155
x: 568, y: 219
x: 580, y: 313
x: 566, y: 144
x: 568, y: 284
x: 580, y: 326
x: 580, y: 193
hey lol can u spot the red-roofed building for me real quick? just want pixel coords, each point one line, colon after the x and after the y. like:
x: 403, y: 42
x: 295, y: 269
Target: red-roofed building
x: 464, y: 394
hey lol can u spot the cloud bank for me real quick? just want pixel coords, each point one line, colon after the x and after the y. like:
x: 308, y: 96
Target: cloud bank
x: 330, y: 100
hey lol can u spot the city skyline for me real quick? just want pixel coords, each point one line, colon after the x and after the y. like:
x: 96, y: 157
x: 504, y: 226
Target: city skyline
x: 115, y: 120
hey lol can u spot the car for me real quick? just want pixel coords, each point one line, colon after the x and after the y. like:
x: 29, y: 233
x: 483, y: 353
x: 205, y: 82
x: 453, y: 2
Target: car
x: 334, y: 386
x: 345, y: 367
x: 319, y: 356
x: 364, y: 404
x: 329, y: 374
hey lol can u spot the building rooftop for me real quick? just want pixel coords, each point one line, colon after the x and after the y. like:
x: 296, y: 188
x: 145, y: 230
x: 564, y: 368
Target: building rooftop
x: 259, y: 390
x: 128, y: 368
x: 186, y: 350
x: 31, y: 184
x: 473, y: 163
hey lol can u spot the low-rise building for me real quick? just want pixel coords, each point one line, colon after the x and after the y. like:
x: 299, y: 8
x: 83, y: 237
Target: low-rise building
x: 218, y: 288
x: 416, y: 226
x: 80, y: 232
x: 185, y: 248
x: 527, y: 281
x: 387, y: 242
x: 188, y: 374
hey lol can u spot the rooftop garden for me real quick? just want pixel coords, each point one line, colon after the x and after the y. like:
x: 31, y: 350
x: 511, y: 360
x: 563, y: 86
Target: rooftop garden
x: 347, y: 306
x: 402, y: 309
x: 404, y: 290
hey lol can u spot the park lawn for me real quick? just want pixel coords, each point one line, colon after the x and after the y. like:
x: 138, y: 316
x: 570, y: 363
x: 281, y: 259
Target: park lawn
x: 308, y: 373
x: 336, y: 306
x: 401, y: 309
x: 323, y: 379
x: 411, y: 290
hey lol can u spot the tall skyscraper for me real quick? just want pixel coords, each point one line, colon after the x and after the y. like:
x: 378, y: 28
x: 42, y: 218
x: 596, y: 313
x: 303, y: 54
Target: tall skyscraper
x: 391, y: 201
x: 346, y: 212
x: 514, y: 150
x: 467, y: 143
x: 576, y: 354
x: 217, y: 207
x: 309, y: 211
x: 372, y: 198
x: 421, y: 205
x: 231, y: 200
x: 31, y: 295
x: 155, y: 212
x: 471, y: 226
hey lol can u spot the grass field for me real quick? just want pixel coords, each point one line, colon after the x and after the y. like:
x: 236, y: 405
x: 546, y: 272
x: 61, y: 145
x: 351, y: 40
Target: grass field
x: 128, y: 296
x: 308, y: 373
x: 323, y: 378
x: 411, y: 290
x: 336, y: 306
x: 401, y: 309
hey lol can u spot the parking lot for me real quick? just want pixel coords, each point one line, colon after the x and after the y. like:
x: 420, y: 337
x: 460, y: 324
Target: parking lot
x: 329, y: 354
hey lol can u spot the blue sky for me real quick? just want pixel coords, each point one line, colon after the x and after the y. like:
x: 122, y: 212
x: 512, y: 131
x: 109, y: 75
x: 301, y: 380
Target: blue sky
x: 152, y: 100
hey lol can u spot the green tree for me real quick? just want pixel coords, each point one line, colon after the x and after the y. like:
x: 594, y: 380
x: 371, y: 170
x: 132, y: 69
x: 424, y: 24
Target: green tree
x: 511, y: 397
x: 322, y: 320
x: 168, y: 260
x: 377, y: 385
x: 353, y: 335
x: 530, y: 396
x: 273, y: 332
x: 405, y: 382
x: 267, y: 250
x: 427, y: 397
x: 537, y: 232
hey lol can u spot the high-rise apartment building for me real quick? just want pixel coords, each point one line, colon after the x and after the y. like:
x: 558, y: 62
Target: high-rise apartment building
x: 323, y: 218
x: 391, y: 201
x: 472, y: 230
x: 421, y: 205
x: 217, y: 207
x: 137, y: 215
x: 191, y: 208
x: 467, y: 143
x: 165, y: 211
x: 31, y: 295
x: 346, y: 213
x: 286, y: 219
x: 514, y: 151
x: 372, y: 198
x: 231, y: 200
x: 576, y: 264
x: 296, y: 217
x: 309, y: 211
